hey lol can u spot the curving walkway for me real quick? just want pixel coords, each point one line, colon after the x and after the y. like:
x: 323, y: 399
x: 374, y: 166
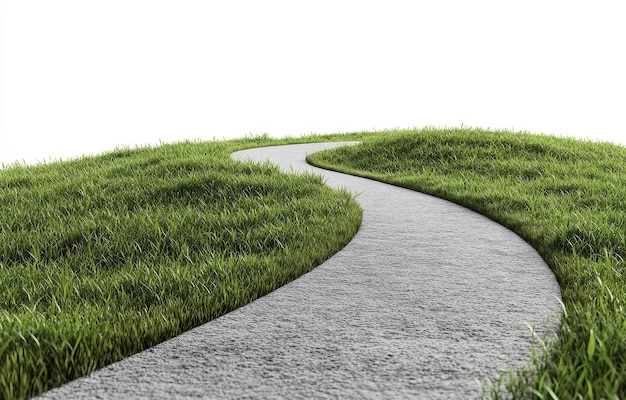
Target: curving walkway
x: 426, y: 300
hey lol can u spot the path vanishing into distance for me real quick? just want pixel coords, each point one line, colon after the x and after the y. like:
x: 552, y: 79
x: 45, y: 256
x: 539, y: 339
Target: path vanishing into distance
x: 427, y: 300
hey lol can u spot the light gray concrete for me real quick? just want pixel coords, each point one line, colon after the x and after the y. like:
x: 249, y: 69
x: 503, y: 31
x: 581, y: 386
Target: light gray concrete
x: 426, y: 300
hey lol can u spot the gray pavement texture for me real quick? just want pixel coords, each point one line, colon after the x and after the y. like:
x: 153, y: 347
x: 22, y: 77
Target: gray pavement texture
x: 427, y: 300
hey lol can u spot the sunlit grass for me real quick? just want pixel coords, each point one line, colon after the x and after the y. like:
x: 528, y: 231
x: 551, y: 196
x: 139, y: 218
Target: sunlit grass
x: 102, y: 257
x: 566, y: 197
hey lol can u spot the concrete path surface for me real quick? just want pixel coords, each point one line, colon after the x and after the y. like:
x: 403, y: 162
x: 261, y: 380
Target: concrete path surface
x: 424, y: 302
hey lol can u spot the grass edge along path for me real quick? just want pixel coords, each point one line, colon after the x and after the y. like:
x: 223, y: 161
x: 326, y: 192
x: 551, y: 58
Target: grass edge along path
x: 565, y: 197
x: 105, y: 256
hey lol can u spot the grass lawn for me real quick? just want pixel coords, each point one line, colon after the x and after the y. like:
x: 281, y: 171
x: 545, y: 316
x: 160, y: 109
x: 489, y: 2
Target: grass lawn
x: 104, y: 256
x: 565, y: 197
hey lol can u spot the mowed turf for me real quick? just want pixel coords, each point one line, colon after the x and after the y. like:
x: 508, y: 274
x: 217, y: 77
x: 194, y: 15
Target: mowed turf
x: 104, y: 256
x: 566, y: 197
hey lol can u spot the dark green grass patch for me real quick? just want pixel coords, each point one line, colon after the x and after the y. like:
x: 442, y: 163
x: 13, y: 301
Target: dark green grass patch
x: 566, y: 197
x: 104, y: 256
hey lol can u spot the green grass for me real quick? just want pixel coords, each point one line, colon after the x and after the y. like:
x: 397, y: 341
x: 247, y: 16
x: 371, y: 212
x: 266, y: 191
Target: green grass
x: 565, y: 197
x: 102, y: 257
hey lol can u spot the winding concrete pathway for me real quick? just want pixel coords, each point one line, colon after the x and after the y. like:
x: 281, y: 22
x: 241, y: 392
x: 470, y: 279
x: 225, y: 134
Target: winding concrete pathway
x: 424, y: 302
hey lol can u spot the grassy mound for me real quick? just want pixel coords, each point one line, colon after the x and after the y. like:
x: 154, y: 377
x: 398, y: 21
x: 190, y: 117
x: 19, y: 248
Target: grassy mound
x: 566, y: 197
x: 102, y: 257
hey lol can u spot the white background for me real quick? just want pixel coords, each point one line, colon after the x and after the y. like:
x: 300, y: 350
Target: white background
x: 85, y: 76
